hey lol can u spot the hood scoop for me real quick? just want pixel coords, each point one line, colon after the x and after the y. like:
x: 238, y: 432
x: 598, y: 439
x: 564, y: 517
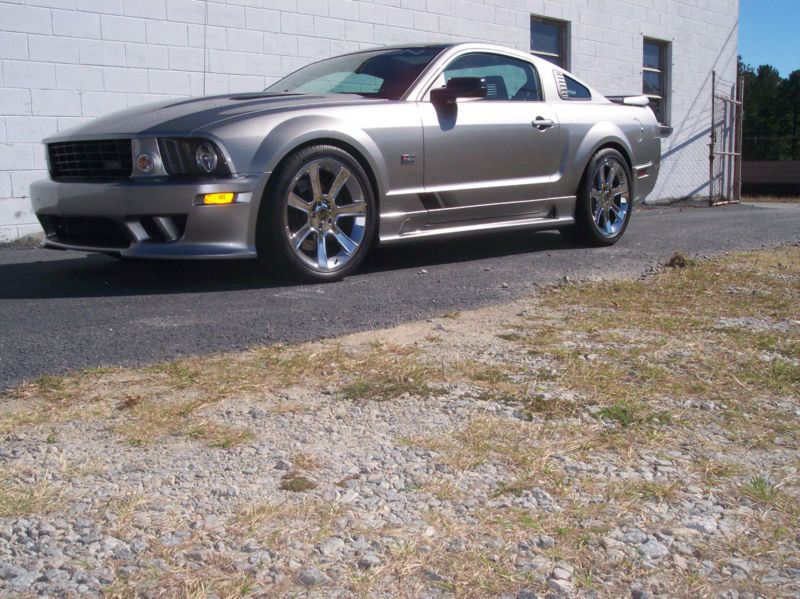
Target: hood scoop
x: 262, y: 96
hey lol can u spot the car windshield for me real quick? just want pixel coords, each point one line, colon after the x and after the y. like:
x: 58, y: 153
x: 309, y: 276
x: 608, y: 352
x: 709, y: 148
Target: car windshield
x: 383, y: 74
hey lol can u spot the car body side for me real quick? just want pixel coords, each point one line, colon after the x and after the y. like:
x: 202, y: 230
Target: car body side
x: 389, y: 139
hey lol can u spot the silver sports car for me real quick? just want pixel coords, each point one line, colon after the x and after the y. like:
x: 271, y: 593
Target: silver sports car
x: 381, y: 146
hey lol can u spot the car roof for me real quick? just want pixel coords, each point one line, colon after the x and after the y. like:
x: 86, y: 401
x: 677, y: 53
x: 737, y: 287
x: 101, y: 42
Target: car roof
x: 451, y: 46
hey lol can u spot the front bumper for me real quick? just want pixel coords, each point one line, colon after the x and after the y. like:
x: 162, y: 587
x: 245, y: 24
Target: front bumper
x: 149, y: 219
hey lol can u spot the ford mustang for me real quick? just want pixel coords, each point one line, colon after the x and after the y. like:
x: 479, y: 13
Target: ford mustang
x: 375, y: 147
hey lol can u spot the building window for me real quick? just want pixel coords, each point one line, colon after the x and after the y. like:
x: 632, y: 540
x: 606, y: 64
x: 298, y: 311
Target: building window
x: 549, y: 40
x: 655, y: 78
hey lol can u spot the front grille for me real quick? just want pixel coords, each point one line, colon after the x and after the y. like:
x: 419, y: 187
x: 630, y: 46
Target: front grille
x: 87, y: 231
x: 92, y: 161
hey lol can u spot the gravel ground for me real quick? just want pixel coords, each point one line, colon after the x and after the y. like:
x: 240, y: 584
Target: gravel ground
x: 405, y: 463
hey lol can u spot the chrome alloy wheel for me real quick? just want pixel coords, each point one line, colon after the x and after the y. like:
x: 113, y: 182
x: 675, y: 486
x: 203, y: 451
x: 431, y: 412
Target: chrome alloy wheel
x: 610, y: 197
x: 326, y: 214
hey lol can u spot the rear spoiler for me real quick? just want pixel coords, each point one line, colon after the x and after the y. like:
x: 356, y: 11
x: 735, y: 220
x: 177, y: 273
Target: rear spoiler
x: 630, y: 100
x: 664, y: 131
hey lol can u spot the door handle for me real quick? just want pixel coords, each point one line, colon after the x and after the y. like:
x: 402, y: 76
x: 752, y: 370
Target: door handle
x: 542, y: 124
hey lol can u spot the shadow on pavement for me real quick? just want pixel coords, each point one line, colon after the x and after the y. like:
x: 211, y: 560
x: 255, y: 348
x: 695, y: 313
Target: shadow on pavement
x: 97, y: 275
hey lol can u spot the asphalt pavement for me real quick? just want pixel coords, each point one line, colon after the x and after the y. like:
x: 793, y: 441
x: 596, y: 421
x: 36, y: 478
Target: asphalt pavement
x: 61, y: 311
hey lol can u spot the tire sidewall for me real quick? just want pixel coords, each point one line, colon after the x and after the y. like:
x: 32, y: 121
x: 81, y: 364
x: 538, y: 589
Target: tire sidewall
x: 272, y: 243
x: 584, y: 216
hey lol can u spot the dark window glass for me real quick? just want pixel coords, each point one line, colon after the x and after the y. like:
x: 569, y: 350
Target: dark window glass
x: 556, y: 60
x: 506, y: 78
x: 577, y: 91
x: 652, y: 84
x: 380, y: 73
x: 548, y: 40
x: 652, y: 56
x: 545, y: 37
x: 654, y: 77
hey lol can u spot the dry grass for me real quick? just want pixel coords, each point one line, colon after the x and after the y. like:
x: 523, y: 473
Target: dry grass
x: 19, y: 498
x: 174, y: 579
x: 296, y: 483
x: 299, y: 518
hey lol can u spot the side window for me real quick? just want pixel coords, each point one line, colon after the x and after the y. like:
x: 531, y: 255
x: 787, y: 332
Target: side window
x: 576, y: 91
x: 506, y: 78
x: 569, y: 89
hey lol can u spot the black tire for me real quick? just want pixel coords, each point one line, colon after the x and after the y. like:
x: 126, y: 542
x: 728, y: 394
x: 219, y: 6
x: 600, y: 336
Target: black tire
x: 275, y: 250
x: 592, y: 196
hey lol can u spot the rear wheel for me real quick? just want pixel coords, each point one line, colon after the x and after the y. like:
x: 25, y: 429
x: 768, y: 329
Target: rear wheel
x: 319, y: 218
x: 603, y: 206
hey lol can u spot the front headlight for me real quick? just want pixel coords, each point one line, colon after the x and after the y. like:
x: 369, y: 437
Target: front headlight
x: 206, y: 158
x: 192, y: 157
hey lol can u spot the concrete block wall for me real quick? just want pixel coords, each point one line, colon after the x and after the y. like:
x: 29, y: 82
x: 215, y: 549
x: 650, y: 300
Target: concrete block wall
x: 66, y: 61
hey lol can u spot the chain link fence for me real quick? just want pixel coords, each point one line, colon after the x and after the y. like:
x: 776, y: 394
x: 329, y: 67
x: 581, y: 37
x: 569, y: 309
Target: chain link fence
x: 725, y: 147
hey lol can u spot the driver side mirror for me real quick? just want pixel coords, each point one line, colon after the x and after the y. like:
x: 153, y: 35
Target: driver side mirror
x: 459, y: 87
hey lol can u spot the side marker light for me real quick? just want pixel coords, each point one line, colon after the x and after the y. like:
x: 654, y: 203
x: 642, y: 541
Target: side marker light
x: 219, y: 198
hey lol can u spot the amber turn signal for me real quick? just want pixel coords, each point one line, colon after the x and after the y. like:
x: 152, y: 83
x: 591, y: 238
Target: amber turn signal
x: 219, y: 198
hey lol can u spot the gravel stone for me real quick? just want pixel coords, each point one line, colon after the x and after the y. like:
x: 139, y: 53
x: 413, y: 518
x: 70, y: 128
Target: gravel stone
x: 653, y: 550
x: 704, y: 524
x: 311, y: 577
x: 331, y: 546
x: 433, y: 576
x: 368, y: 560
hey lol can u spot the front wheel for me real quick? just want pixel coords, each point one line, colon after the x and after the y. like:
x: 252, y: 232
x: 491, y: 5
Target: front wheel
x: 603, y: 206
x: 319, y: 218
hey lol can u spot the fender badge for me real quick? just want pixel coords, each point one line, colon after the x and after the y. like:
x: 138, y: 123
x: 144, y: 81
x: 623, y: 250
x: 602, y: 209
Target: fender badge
x: 408, y: 158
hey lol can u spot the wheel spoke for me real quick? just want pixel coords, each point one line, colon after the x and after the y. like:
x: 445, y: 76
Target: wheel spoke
x: 322, y: 251
x: 348, y: 245
x: 622, y: 188
x: 354, y: 209
x: 608, y: 228
x: 613, y: 172
x: 598, y: 215
x: 615, y: 209
x: 313, y: 179
x: 300, y: 236
x: 298, y: 203
x: 341, y: 178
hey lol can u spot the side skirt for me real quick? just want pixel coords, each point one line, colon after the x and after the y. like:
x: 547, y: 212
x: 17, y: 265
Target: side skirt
x: 397, y: 228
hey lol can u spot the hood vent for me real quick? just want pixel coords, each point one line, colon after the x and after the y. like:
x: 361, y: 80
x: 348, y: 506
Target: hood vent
x: 263, y: 96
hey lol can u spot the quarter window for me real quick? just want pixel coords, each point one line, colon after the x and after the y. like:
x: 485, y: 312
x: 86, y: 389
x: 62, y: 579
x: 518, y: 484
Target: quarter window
x: 506, y: 78
x: 655, y: 79
x: 549, y: 40
x: 577, y: 91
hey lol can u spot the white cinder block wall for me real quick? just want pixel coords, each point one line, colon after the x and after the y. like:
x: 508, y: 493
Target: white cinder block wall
x: 65, y: 61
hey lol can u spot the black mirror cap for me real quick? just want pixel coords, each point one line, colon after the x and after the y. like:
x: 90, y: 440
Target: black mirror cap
x: 459, y: 87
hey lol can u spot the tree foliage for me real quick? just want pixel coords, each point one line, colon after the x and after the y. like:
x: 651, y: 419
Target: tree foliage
x: 771, y: 123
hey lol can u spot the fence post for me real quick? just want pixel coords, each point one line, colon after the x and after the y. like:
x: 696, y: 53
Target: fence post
x: 712, y: 143
x: 737, y: 175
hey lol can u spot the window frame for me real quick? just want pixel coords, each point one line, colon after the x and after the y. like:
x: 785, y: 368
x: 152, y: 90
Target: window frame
x: 564, y: 29
x: 426, y: 96
x: 664, y: 74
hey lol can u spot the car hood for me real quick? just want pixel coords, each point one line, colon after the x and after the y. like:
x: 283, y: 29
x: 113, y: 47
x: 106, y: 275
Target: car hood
x: 183, y: 117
